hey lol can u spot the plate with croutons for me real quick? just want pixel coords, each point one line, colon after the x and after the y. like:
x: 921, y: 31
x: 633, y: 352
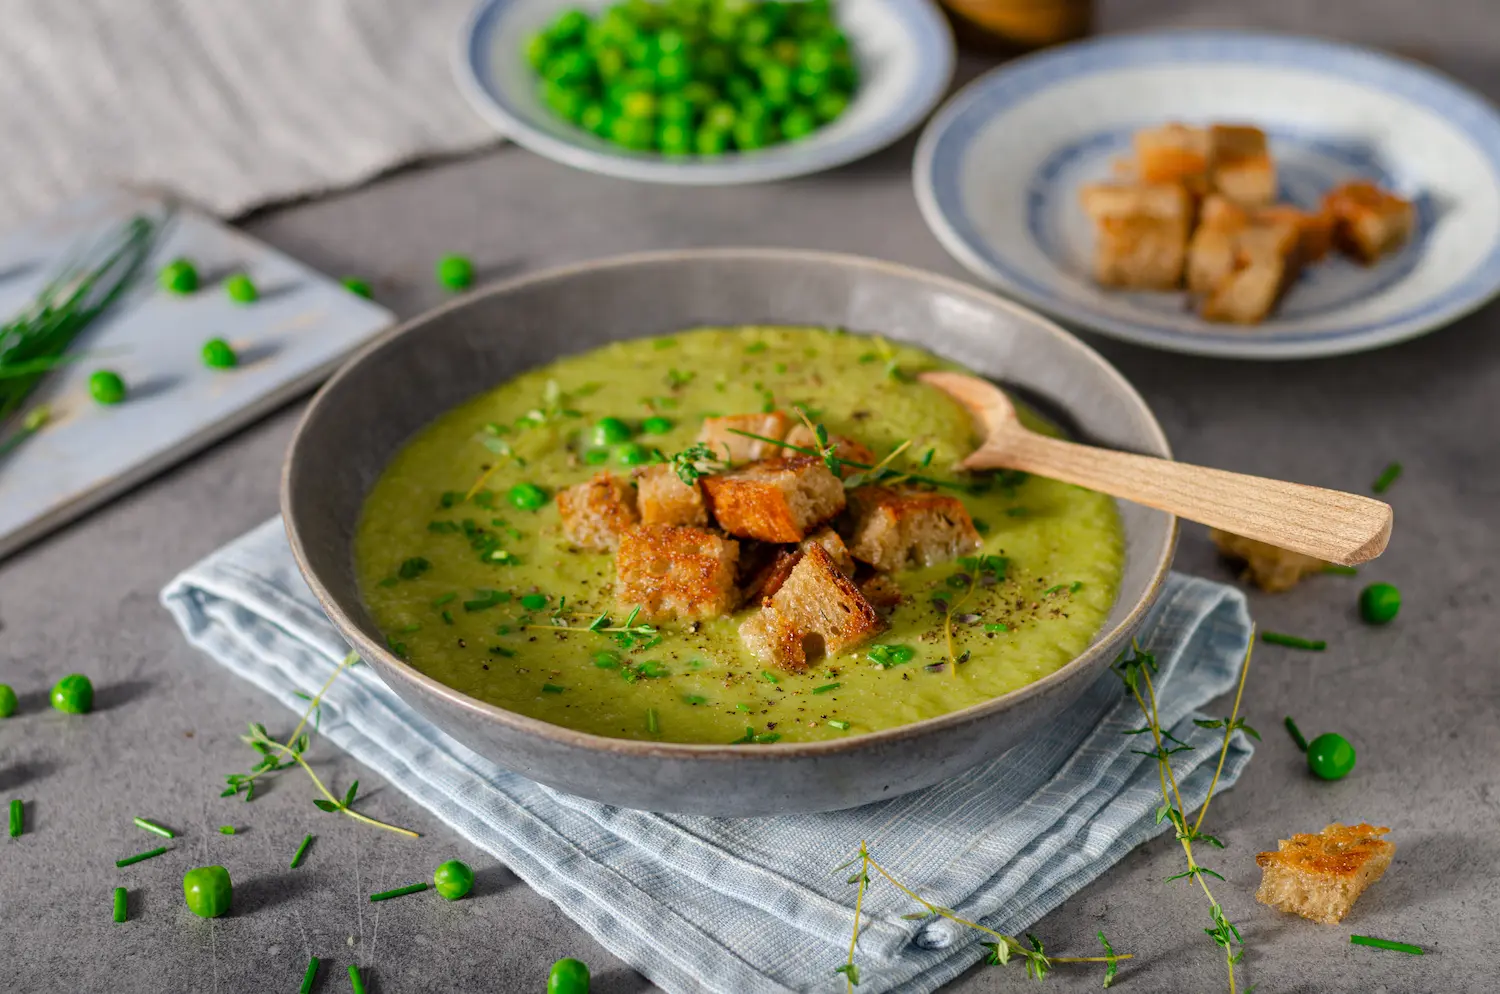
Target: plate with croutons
x: 1224, y: 193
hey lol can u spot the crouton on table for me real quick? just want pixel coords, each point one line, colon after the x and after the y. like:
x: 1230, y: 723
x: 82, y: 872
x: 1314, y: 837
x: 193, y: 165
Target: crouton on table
x: 1369, y: 221
x: 845, y: 448
x: 663, y: 499
x: 816, y: 611
x: 900, y: 527
x: 595, y: 512
x: 676, y: 572
x: 1270, y: 568
x: 1142, y: 233
x: 1240, y: 262
x: 1242, y: 169
x: 719, y: 435
x: 1321, y: 876
x: 775, y: 500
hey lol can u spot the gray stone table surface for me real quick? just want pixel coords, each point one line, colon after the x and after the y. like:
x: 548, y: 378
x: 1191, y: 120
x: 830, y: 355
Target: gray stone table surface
x: 1418, y: 698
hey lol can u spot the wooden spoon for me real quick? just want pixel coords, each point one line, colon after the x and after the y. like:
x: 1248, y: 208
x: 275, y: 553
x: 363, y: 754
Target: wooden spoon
x: 1333, y: 526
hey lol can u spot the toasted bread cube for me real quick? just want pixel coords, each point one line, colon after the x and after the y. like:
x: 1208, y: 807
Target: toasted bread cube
x: 1212, y: 251
x: 775, y: 500
x: 845, y: 448
x: 816, y: 612
x: 663, y: 499
x: 1314, y: 229
x: 1266, y: 261
x: 1173, y: 153
x: 1141, y: 231
x: 1369, y: 221
x: 834, y: 545
x: 1248, y: 295
x: 1270, y: 568
x: 595, y: 512
x: 1242, y: 168
x: 1321, y: 876
x: 900, y: 527
x: 719, y: 434
x: 676, y: 572
x: 881, y: 591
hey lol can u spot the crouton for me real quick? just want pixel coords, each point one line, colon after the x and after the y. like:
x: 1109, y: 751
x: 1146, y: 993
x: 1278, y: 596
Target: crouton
x: 1211, y: 253
x: 834, y: 546
x: 1241, y: 167
x: 1248, y: 294
x: 1368, y: 221
x: 816, y: 612
x: 881, y: 591
x: 676, y: 572
x: 1321, y: 876
x: 719, y: 434
x: 845, y: 448
x: 1268, y: 567
x: 769, y: 579
x: 663, y: 499
x: 900, y: 527
x: 775, y: 500
x: 1141, y: 233
x: 1314, y: 229
x: 1265, y: 261
x: 595, y: 512
x: 1173, y: 153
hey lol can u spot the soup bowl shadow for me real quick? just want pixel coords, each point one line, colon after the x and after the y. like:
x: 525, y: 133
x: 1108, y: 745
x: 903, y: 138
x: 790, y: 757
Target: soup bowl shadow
x: 401, y: 382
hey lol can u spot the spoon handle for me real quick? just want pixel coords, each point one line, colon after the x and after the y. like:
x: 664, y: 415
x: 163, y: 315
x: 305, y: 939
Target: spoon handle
x: 1337, y: 527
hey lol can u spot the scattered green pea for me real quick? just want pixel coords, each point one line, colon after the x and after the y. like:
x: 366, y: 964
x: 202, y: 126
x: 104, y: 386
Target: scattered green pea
x: 453, y: 879
x: 207, y: 891
x: 611, y: 431
x: 568, y: 976
x: 527, y: 496
x: 656, y: 426
x: 73, y: 694
x: 632, y: 454
x: 106, y: 387
x: 1330, y: 756
x: 178, y: 276
x: 358, y: 287
x: 219, y: 354
x: 241, y: 289
x: 1379, y: 603
x: 596, y: 457
x: 455, y: 272
x: 534, y: 602
x: 7, y: 700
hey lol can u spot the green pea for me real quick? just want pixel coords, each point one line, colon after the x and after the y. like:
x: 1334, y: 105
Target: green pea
x: 752, y: 57
x: 641, y: 51
x: 786, y: 51
x: 722, y: 26
x: 594, y: 118
x: 714, y: 62
x: 830, y: 105
x: 632, y: 133
x: 756, y: 30
x: 799, y: 122
x: 611, y: 431
x: 670, y: 41
x: 751, y: 133
x: 534, y: 602
x: 776, y: 84
x: 817, y: 59
x: 673, y: 70
x: 676, y: 108
x: 567, y: 102
x: 219, y: 354
x: 7, y: 701
x: 596, y: 457
x: 454, y: 272
x: 453, y: 879
x: 569, y: 25
x: 610, y: 62
x: 527, y: 496
x: 73, y: 694
x: 207, y: 891
x: 570, y: 67
x: 808, y: 84
x: 568, y: 976
x: 674, y: 138
x: 711, y: 141
x: 1379, y: 603
x: 241, y: 289
x: 538, y: 50
x: 720, y: 116
x: 1330, y: 756
x: 699, y: 94
x: 638, y: 79
x: 358, y: 287
x: 741, y: 88
x: 632, y: 454
x: 656, y: 426
x: 106, y: 387
x: 178, y: 276
x: 638, y: 104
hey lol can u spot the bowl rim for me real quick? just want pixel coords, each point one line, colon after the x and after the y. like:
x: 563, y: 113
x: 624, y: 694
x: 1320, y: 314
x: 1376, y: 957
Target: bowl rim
x: 373, y: 651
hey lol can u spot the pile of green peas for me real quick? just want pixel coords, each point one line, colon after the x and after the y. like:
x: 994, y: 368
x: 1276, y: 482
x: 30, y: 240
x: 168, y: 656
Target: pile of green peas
x: 696, y: 77
x: 610, y: 439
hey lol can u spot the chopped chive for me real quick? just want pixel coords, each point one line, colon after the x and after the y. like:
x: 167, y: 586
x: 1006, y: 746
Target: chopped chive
x: 1341, y: 570
x: 1400, y: 947
x: 226, y: 829
x: 1387, y: 476
x: 755, y: 347
x: 1075, y: 586
x: 842, y: 726
x: 653, y: 724
x: 447, y: 616
x: 409, y: 629
x: 742, y: 707
x: 1052, y: 590
x: 121, y: 905
x: 386, y: 895
x: 1293, y: 641
x: 533, y: 602
x: 151, y: 854
x: 355, y: 984
x: 1295, y: 733
x: 1016, y: 512
x: 826, y: 688
x: 552, y: 688
x: 694, y: 699
x: 308, y: 977
x: 301, y: 851
x: 769, y: 676
x: 998, y: 626
x: 154, y: 828
x: 487, y: 599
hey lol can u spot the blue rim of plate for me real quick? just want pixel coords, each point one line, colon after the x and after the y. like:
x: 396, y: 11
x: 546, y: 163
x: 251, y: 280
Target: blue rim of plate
x: 940, y: 154
x: 923, y: 26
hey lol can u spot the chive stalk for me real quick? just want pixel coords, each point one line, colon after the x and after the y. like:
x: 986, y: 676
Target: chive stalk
x: 121, y: 905
x: 138, y: 857
x: 653, y: 723
x: 1293, y: 641
x: 386, y: 895
x: 1295, y: 733
x: 17, y: 818
x: 301, y: 851
x: 1400, y: 947
x: 309, y: 976
x: 355, y: 983
x: 1387, y: 476
x: 150, y: 826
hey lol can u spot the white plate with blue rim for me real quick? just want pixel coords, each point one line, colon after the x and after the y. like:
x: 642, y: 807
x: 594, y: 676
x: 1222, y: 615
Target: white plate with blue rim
x: 998, y: 170
x: 903, y: 49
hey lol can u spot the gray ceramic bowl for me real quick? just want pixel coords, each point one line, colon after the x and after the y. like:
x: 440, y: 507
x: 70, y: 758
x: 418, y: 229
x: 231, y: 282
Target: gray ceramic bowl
x: 401, y: 382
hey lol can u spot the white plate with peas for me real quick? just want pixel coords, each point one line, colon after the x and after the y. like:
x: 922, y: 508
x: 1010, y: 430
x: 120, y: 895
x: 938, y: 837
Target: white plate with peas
x: 706, y: 92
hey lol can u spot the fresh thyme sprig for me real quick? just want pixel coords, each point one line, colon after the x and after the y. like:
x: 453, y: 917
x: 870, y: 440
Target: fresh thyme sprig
x: 1000, y: 952
x: 630, y: 635
x: 1136, y: 672
x: 991, y: 569
x: 692, y: 463
x: 293, y: 749
x: 880, y: 473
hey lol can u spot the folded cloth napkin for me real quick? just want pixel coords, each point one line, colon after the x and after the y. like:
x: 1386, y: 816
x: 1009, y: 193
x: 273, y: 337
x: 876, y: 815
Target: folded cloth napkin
x: 745, y: 906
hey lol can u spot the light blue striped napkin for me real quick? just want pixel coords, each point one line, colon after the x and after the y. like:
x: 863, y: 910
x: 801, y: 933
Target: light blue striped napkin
x: 751, y: 906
